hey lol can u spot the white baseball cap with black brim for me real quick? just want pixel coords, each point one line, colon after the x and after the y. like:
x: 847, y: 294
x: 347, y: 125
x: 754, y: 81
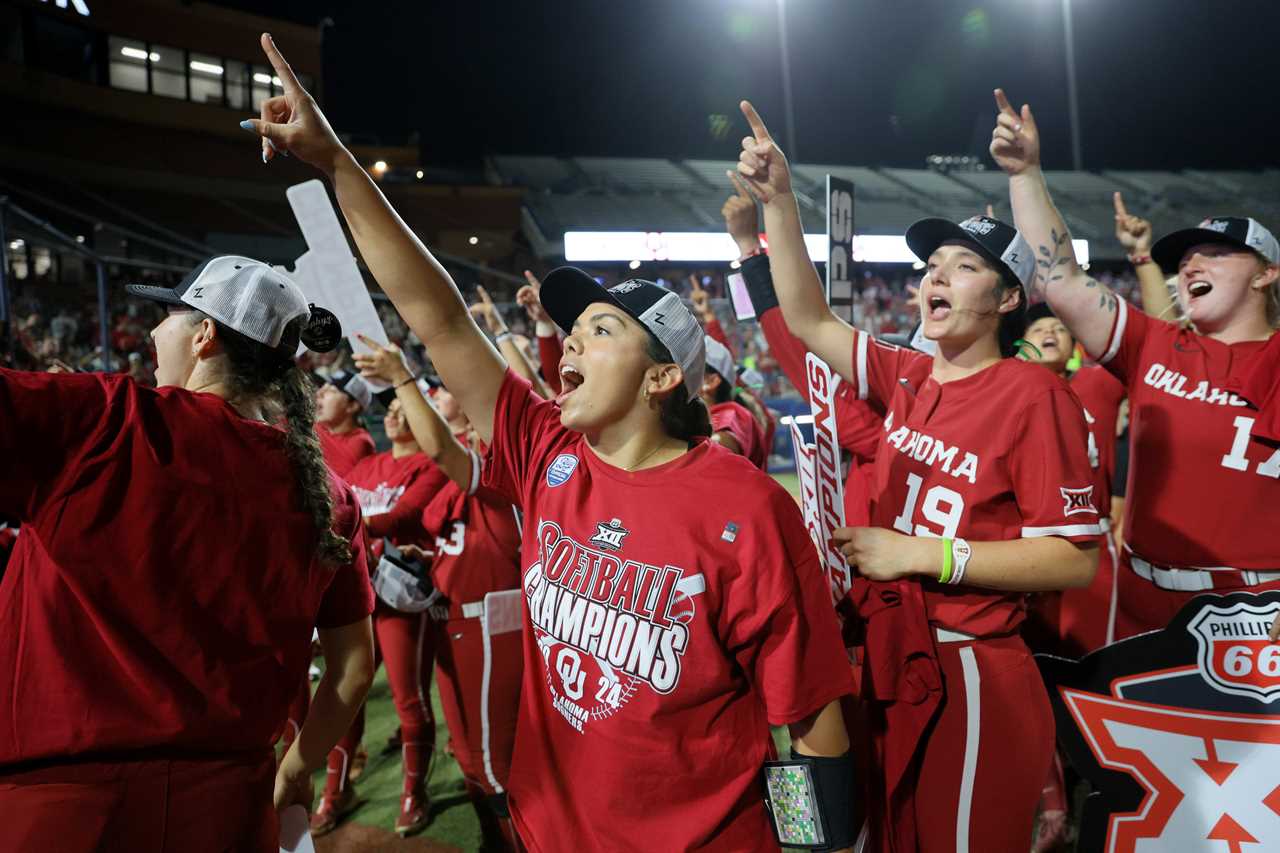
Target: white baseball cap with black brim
x: 1000, y: 244
x: 1239, y: 231
x: 353, y: 385
x: 567, y: 291
x: 252, y: 299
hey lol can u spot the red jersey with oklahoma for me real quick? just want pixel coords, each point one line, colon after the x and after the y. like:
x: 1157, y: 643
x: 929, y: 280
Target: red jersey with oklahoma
x: 1198, y: 478
x: 999, y: 455
x: 672, y: 615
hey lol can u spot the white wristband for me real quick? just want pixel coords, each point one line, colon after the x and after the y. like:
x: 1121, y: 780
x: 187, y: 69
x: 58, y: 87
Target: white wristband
x: 960, y: 554
x: 543, y: 329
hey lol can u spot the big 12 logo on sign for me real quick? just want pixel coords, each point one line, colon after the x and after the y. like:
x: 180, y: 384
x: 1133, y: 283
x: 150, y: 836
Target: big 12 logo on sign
x: 1178, y: 732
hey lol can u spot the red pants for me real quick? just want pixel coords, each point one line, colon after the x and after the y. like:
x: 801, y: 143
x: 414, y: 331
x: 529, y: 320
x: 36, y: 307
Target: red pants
x: 406, y: 642
x: 141, y: 807
x: 480, y: 692
x: 1146, y: 607
x: 988, y: 753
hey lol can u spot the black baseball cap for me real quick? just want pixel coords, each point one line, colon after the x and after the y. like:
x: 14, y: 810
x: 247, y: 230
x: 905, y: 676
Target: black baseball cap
x: 567, y: 291
x: 999, y: 243
x: 1239, y: 231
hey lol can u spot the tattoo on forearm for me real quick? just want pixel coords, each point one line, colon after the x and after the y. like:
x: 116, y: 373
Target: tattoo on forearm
x: 1053, y: 258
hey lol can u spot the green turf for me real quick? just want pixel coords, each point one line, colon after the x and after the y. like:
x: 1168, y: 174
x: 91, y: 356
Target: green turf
x: 454, y: 820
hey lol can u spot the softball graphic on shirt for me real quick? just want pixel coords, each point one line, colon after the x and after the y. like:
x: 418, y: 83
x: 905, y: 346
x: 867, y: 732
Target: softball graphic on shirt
x: 607, y: 624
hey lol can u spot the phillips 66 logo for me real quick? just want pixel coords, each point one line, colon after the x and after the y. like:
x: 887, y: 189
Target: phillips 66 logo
x: 1235, y: 654
x: 1178, y: 731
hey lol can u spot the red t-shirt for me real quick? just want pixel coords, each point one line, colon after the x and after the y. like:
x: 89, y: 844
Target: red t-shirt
x: 477, y: 544
x: 393, y: 492
x: 1199, y: 481
x: 999, y: 455
x: 1101, y: 395
x: 343, y: 450
x: 674, y: 613
x: 162, y: 593
x: 737, y: 420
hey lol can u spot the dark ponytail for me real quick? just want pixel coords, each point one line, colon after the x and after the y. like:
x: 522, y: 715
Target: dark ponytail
x: 681, y: 417
x: 1013, y: 326
x: 272, y: 375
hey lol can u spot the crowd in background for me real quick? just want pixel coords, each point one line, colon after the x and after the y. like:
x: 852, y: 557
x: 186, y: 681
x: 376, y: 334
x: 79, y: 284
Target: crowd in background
x: 63, y: 333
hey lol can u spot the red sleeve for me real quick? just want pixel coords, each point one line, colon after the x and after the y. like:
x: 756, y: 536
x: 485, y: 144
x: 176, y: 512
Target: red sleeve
x: 857, y: 425
x: 48, y: 422
x: 778, y: 621
x: 786, y: 348
x: 526, y: 432
x: 716, y: 331
x: 738, y: 421
x: 549, y: 352
x: 441, y: 510
x: 1053, y: 482
x: 1129, y: 332
x: 879, y: 368
x: 349, y: 596
x: 404, y: 522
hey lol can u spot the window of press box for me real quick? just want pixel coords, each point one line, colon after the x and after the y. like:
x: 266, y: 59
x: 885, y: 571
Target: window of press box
x: 168, y: 71
x: 206, y: 78
x: 237, y: 78
x: 127, y: 64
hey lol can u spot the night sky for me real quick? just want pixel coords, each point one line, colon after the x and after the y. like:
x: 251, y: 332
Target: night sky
x: 1164, y: 84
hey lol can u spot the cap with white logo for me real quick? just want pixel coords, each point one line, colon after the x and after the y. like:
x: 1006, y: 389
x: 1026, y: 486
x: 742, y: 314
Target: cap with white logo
x: 251, y: 298
x: 1001, y: 244
x: 720, y: 359
x: 1239, y: 231
x: 567, y: 291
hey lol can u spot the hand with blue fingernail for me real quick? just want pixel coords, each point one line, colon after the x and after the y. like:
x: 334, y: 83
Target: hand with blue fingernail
x: 292, y: 123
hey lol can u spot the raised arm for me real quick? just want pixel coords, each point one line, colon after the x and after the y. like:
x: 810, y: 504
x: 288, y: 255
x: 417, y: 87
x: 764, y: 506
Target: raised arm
x: 429, y: 429
x: 764, y: 168
x: 1087, y: 307
x: 1134, y: 233
x: 417, y: 284
x: 511, y: 351
x: 549, y: 348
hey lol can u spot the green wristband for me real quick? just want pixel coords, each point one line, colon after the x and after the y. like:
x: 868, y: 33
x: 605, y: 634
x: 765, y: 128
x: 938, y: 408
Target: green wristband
x: 945, y: 577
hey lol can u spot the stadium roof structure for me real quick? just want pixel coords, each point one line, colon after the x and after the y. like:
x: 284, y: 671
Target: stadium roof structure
x: 652, y: 195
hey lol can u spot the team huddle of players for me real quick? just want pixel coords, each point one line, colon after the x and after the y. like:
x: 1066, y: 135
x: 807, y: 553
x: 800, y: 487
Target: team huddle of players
x: 618, y: 608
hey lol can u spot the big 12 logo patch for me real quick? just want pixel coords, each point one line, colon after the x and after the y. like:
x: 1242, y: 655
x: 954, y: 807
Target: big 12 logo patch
x: 1177, y: 731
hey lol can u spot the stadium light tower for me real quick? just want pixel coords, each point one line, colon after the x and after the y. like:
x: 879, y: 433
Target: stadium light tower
x: 788, y: 108
x: 1073, y: 104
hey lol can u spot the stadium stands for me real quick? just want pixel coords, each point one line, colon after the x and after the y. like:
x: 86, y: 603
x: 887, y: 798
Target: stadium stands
x: 632, y: 194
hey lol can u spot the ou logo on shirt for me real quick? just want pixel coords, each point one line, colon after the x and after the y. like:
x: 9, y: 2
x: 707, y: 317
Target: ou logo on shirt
x: 561, y: 469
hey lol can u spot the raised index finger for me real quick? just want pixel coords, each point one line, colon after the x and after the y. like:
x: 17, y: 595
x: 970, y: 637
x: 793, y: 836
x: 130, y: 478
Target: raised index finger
x: 1120, y: 210
x: 288, y: 81
x: 1002, y: 103
x: 757, y: 124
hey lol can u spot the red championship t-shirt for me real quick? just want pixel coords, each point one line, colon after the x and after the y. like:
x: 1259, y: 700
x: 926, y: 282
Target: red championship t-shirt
x: 477, y: 542
x: 737, y: 420
x: 393, y: 492
x: 343, y: 450
x: 999, y: 455
x: 1199, y: 480
x: 673, y: 615
x: 162, y: 593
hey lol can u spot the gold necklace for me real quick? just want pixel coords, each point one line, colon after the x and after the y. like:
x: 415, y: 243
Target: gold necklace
x: 631, y: 468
